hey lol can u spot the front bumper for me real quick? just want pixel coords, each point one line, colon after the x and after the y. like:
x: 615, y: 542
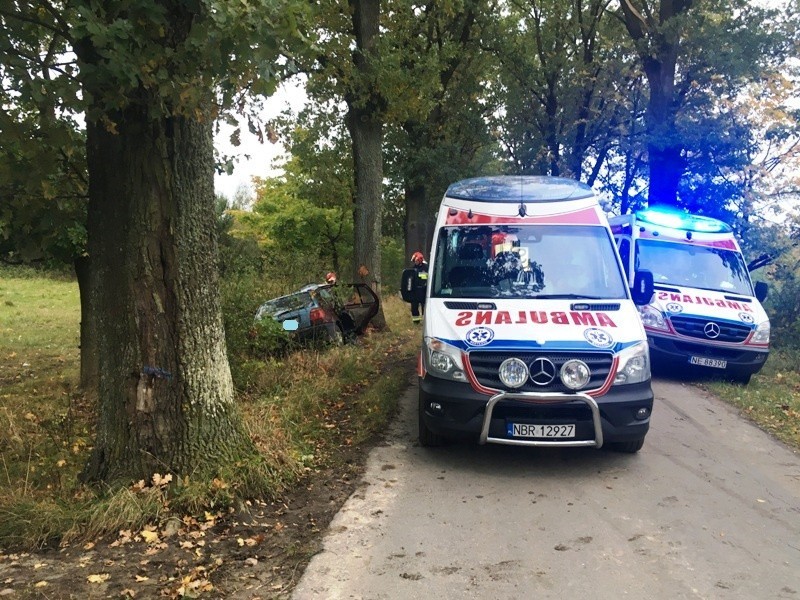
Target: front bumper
x: 455, y: 409
x: 674, y: 351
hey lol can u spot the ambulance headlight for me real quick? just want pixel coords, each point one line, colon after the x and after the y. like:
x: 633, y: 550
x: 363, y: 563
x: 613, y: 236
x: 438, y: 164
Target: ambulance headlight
x: 633, y: 365
x: 513, y: 372
x: 443, y: 360
x: 575, y: 374
x: 761, y: 336
x: 652, y: 317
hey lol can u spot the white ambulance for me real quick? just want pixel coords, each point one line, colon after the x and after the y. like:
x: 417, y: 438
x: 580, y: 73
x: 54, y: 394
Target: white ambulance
x: 530, y: 334
x: 706, y: 312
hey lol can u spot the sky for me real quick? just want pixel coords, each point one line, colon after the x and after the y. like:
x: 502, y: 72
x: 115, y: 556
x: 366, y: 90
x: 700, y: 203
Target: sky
x: 289, y: 95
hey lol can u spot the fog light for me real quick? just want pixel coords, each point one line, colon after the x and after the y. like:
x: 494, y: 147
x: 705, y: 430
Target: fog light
x: 513, y: 372
x: 642, y: 413
x: 436, y: 407
x: 575, y: 374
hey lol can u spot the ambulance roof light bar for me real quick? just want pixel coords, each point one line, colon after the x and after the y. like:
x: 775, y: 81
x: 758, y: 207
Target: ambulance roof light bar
x: 675, y: 219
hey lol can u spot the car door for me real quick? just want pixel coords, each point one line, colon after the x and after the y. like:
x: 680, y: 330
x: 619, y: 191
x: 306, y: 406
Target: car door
x: 362, y: 305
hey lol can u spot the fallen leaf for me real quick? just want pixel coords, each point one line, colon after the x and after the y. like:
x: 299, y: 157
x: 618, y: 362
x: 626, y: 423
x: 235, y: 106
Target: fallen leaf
x: 41, y: 584
x: 99, y: 578
x: 141, y: 578
x: 160, y: 481
x: 149, y: 536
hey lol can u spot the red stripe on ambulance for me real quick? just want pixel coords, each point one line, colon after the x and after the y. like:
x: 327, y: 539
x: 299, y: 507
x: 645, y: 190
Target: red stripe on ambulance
x: 584, y: 216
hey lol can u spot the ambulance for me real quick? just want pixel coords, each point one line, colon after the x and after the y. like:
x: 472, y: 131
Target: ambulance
x: 531, y: 335
x: 706, y: 315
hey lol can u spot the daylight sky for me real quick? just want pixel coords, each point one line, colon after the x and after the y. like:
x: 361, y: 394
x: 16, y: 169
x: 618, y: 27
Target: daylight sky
x: 289, y: 95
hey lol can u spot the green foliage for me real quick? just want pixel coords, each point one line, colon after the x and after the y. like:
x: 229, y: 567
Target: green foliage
x: 268, y: 338
x: 43, y: 186
x: 394, y: 260
x: 782, y: 302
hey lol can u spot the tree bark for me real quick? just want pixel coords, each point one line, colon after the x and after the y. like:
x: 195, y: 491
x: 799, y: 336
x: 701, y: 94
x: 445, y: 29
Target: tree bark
x: 364, y: 121
x: 90, y: 354
x: 418, y: 219
x: 165, y: 390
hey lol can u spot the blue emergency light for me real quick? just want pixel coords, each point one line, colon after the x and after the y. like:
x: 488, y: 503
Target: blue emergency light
x: 675, y: 219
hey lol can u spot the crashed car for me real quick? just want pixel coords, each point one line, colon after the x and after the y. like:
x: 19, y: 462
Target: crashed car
x: 331, y: 313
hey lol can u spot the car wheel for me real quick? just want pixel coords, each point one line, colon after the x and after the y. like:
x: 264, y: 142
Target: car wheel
x: 427, y: 438
x: 631, y: 447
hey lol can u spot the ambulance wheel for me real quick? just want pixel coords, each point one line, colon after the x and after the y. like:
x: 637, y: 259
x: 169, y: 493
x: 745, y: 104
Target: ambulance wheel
x: 740, y: 378
x: 427, y: 438
x: 631, y: 447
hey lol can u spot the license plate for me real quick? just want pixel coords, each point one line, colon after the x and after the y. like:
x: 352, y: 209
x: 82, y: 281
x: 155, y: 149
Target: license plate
x: 528, y: 430
x: 708, y: 362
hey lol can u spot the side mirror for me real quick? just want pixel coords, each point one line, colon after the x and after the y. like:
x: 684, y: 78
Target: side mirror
x: 761, y: 290
x: 642, y: 290
x: 290, y: 324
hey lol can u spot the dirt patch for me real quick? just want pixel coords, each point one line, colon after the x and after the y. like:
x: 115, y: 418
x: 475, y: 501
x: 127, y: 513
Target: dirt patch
x: 258, y: 552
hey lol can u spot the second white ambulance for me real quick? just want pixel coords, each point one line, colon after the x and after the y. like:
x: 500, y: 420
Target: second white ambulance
x: 530, y: 335
x: 706, y: 313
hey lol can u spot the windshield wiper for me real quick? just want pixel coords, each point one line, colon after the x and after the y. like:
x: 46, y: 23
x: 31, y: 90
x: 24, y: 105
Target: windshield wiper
x: 565, y: 297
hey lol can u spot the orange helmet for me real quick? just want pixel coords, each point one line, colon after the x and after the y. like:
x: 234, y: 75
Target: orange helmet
x: 330, y: 277
x: 417, y: 258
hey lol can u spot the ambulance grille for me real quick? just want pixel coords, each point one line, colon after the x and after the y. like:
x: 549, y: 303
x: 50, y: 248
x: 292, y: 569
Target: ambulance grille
x: 696, y: 327
x: 485, y: 365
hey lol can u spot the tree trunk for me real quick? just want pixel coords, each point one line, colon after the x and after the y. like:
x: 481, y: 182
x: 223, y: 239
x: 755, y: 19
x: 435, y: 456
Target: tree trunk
x: 90, y: 354
x: 364, y: 121
x: 660, y: 58
x: 418, y: 222
x: 165, y: 389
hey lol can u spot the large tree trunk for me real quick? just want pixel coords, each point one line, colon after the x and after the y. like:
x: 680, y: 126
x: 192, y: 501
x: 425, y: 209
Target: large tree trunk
x: 660, y: 58
x: 418, y: 220
x: 90, y: 354
x: 364, y: 121
x: 165, y: 390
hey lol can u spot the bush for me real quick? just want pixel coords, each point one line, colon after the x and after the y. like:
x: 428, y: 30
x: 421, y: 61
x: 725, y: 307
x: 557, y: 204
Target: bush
x: 783, y: 309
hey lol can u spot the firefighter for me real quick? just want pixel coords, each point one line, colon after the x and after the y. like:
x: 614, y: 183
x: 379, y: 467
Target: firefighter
x: 330, y: 278
x: 420, y: 283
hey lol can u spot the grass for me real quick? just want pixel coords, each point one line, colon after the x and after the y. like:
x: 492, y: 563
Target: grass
x: 772, y: 398
x: 300, y: 410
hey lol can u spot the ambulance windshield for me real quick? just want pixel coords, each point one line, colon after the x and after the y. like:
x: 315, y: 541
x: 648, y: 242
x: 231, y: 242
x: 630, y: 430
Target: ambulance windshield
x: 689, y: 265
x: 526, y: 261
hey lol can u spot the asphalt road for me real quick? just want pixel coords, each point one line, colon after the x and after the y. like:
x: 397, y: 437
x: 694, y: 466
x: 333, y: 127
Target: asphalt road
x: 709, y: 508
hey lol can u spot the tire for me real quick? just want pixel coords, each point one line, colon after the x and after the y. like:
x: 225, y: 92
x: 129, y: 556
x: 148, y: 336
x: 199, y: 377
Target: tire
x: 631, y: 447
x: 740, y: 378
x: 427, y: 438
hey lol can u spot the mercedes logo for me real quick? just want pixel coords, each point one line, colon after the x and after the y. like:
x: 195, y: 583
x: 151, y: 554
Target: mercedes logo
x: 543, y: 371
x: 711, y: 330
